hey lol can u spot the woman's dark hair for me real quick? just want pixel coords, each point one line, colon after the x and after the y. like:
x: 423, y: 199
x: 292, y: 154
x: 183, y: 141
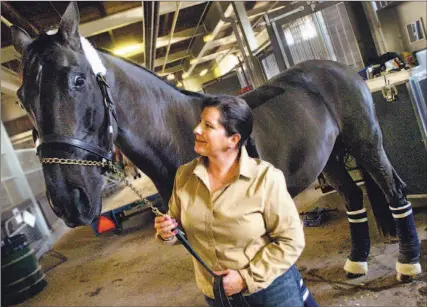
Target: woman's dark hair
x: 236, y: 115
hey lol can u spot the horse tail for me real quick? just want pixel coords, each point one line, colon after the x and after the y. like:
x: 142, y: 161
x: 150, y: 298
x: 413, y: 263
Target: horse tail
x: 379, y: 204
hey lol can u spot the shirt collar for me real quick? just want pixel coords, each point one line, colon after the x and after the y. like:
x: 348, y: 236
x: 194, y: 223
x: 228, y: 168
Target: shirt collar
x: 247, y: 167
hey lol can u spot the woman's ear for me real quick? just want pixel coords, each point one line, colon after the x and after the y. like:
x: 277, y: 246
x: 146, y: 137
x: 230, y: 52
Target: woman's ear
x: 234, y: 140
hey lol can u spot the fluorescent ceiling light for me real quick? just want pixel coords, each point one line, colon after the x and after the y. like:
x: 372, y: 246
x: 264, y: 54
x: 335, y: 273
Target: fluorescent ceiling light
x: 208, y: 38
x: 128, y: 49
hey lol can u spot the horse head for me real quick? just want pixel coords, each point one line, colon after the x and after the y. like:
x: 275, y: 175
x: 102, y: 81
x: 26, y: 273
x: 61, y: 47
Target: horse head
x: 65, y: 103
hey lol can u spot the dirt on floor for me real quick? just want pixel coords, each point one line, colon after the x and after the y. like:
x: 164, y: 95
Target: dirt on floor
x: 133, y: 269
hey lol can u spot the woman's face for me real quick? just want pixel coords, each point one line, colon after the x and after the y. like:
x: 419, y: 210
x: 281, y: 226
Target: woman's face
x: 211, y: 137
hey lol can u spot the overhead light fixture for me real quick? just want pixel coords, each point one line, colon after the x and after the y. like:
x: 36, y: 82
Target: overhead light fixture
x: 203, y: 72
x: 128, y: 49
x: 170, y: 77
x: 185, y: 75
x: 208, y: 38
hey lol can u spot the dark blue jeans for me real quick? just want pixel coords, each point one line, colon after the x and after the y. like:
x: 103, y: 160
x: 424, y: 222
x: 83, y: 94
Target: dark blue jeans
x: 284, y: 291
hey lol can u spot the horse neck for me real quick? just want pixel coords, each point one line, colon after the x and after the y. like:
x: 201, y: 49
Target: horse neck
x: 155, y: 120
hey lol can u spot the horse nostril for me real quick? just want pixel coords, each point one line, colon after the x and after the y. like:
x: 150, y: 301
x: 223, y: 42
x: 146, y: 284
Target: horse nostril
x: 76, y: 196
x: 80, y: 201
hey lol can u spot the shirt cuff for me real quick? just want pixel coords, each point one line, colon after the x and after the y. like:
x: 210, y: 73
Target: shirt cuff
x: 251, y: 285
x: 167, y: 242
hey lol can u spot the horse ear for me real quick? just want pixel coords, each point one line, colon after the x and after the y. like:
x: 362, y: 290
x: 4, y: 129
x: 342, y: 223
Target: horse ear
x: 20, y: 39
x: 69, y: 25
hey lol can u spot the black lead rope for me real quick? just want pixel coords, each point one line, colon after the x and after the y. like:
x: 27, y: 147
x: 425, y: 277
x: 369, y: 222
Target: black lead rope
x: 221, y: 299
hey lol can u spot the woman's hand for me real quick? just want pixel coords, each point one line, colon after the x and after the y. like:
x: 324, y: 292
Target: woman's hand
x: 164, y: 225
x: 232, y: 281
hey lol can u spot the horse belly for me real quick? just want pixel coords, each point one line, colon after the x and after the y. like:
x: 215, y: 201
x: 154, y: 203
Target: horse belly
x: 296, y: 134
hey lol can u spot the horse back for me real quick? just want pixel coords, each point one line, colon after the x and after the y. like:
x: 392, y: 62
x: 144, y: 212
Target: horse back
x: 337, y: 86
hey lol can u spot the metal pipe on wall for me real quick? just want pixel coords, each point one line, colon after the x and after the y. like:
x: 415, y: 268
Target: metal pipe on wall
x: 151, y: 30
x: 5, y: 21
x: 155, y: 32
x: 175, y: 19
x: 144, y: 61
x: 9, y: 10
x: 197, y: 27
x: 271, y: 7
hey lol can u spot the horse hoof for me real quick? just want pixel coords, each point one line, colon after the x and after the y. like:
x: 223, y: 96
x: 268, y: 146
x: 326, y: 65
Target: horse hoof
x: 407, y: 271
x: 353, y: 275
x: 355, y: 269
x: 404, y: 278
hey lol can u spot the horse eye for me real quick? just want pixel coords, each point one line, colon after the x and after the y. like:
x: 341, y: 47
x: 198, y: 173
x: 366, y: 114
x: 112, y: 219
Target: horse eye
x: 79, y: 81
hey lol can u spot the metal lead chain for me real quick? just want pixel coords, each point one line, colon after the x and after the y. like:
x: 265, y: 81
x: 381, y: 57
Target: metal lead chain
x: 110, y: 166
x: 135, y: 190
x: 73, y: 162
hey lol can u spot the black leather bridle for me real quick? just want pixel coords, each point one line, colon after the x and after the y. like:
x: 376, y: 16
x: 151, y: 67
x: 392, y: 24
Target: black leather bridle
x: 106, y: 154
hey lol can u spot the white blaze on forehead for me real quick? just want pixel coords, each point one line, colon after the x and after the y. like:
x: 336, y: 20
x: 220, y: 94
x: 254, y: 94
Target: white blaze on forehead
x: 93, y: 57
x: 90, y: 53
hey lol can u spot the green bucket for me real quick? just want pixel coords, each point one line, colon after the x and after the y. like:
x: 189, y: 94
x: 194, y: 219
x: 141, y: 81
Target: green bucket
x: 22, y: 276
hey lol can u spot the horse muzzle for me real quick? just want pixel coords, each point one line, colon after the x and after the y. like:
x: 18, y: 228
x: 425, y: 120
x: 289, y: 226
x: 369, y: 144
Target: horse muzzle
x: 77, y: 210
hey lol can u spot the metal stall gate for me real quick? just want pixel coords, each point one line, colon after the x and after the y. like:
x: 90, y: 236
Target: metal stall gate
x: 302, y: 32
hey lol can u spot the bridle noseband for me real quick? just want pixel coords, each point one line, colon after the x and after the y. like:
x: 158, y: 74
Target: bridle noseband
x: 106, y: 155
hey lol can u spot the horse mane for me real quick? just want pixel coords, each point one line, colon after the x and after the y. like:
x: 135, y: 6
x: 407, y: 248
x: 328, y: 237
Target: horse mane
x: 183, y: 91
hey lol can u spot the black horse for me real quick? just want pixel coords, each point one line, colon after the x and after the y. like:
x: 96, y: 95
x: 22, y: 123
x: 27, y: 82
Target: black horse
x: 303, y: 119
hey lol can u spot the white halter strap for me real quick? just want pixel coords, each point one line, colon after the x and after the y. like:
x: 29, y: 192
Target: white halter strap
x: 93, y: 57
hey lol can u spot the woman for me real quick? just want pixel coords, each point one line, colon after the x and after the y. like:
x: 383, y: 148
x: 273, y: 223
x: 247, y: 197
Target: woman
x: 236, y: 212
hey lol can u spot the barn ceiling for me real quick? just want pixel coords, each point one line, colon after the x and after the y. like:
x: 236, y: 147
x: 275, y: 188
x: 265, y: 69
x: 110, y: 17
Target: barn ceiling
x: 167, y: 37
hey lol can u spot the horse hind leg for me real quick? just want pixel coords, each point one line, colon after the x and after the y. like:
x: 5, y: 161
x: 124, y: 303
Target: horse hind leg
x: 335, y: 173
x: 376, y: 163
x: 379, y: 205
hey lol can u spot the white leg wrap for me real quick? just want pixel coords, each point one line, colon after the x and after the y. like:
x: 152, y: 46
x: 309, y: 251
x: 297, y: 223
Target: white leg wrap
x: 356, y: 267
x: 408, y: 269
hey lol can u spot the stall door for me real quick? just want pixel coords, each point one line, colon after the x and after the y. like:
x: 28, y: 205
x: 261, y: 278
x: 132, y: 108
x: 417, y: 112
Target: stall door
x: 324, y: 35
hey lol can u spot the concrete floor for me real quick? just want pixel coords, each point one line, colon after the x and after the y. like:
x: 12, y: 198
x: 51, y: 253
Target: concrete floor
x: 133, y: 269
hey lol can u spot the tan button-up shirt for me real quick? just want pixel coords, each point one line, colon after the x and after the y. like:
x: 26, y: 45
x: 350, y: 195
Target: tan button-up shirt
x: 251, y: 225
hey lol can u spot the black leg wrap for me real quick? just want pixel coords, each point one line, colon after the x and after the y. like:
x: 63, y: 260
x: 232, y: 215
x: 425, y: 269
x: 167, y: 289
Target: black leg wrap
x: 409, y: 244
x: 359, y: 230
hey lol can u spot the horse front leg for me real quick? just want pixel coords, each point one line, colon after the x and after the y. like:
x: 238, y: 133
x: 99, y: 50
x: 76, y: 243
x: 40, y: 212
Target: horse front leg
x: 337, y: 176
x: 375, y: 161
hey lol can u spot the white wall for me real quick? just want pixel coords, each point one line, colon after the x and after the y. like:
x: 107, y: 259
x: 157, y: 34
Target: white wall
x: 408, y: 12
x: 393, y: 22
x: 390, y: 29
